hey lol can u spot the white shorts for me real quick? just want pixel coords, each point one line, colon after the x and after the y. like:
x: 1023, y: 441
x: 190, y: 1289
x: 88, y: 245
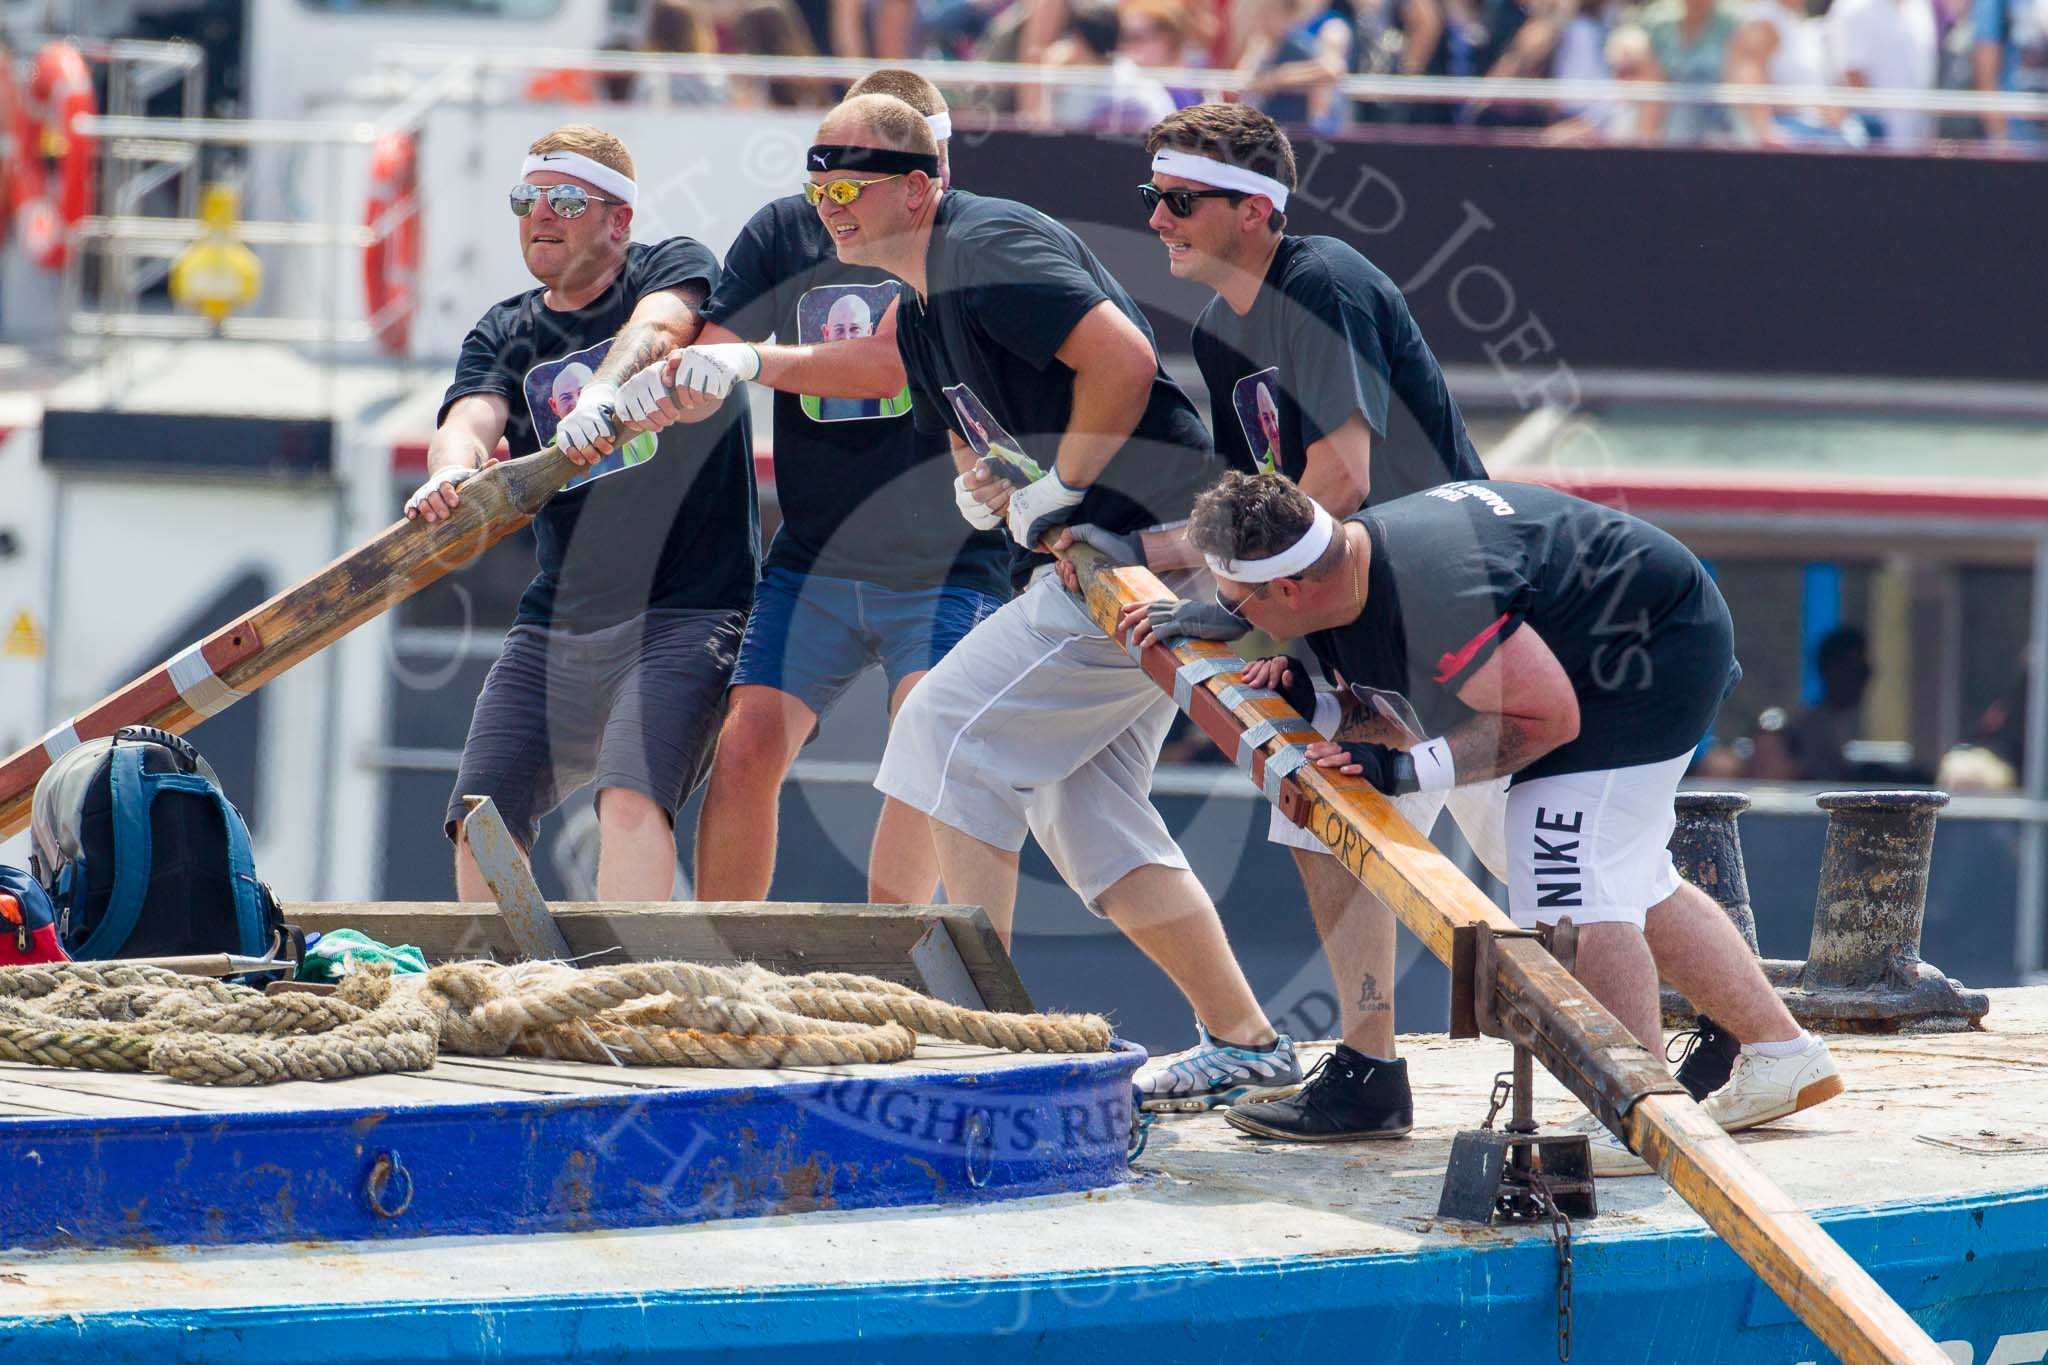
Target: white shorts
x: 1593, y: 846
x: 1037, y: 722
x: 1480, y: 809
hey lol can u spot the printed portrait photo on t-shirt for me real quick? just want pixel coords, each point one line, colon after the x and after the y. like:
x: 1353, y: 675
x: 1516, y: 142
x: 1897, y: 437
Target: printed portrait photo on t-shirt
x: 846, y: 312
x: 1257, y: 400
x: 552, y: 388
x: 986, y: 435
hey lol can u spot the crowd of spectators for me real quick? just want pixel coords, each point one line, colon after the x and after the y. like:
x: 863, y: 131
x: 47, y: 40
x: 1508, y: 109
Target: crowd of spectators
x: 1289, y: 57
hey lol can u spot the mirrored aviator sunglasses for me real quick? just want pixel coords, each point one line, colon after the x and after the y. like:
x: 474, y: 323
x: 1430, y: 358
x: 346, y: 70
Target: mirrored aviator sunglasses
x: 564, y: 201
x: 1179, y: 202
x: 842, y: 191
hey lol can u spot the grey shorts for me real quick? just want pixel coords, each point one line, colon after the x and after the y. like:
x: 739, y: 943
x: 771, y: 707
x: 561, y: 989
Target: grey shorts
x: 1039, y: 723
x: 634, y: 706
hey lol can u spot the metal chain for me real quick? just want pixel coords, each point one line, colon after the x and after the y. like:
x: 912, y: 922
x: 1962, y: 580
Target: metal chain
x: 1503, y: 1086
x: 1561, y: 1237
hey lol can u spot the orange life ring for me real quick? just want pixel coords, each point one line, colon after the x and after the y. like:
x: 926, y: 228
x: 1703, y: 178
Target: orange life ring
x: 60, y: 92
x: 391, y: 261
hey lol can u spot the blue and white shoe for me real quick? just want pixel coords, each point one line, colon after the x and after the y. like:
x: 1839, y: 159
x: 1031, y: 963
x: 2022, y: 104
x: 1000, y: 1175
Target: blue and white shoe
x: 1212, y: 1073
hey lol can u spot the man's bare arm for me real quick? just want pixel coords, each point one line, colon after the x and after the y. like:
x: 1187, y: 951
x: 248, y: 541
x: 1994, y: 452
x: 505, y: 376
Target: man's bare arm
x: 661, y: 322
x: 862, y: 367
x: 1523, y: 707
x: 464, y: 441
x: 1113, y: 366
x: 1338, y: 472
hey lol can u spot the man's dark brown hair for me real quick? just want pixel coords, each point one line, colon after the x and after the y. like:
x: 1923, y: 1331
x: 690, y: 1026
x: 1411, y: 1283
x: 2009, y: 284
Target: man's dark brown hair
x: 1234, y: 133
x: 1251, y: 516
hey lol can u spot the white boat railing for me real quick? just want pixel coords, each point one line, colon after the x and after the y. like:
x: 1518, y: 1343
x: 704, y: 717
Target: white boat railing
x: 1211, y: 82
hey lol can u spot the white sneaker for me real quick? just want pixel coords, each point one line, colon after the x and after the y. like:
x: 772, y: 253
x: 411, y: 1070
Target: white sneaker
x: 1762, y: 1088
x: 1610, y: 1155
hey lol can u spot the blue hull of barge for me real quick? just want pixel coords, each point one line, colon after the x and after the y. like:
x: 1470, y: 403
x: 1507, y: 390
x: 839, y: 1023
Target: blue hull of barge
x: 1972, y: 1273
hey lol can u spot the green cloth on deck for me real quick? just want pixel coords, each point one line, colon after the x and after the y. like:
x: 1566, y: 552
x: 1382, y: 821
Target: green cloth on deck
x: 328, y: 959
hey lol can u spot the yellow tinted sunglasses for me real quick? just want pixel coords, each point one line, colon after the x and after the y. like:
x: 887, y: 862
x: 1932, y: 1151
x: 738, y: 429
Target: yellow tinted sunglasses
x: 842, y: 191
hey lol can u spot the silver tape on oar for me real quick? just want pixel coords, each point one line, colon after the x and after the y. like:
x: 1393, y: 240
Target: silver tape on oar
x: 1257, y: 734
x: 202, y: 688
x: 1248, y: 743
x: 61, y: 741
x: 1237, y: 694
x: 1191, y: 675
x: 1278, y: 765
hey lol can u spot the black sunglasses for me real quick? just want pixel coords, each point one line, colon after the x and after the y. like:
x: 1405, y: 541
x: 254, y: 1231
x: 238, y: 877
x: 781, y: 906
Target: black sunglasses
x: 564, y: 201
x: 1181, y: 203
x: 1236, y: 608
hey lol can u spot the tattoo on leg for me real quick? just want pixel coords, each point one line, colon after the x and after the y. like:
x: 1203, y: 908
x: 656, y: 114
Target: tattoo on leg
x: 1369, y: 998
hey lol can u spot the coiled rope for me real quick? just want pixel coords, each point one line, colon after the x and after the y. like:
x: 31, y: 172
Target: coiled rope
x: 110, y: 1017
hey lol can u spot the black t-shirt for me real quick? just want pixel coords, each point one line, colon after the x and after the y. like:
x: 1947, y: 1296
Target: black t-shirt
x: 1632, y: 616
x: 1330, y: 335
x: 671, y: 515
x: 1006, y: 284
x: 864, y: 494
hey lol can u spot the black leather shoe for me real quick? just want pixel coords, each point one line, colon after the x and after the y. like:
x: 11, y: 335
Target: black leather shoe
x: 1348, y: 1097
x: 1708, y: 1059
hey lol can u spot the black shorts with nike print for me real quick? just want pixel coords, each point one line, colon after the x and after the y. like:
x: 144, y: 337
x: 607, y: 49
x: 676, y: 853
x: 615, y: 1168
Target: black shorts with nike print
x: 1631, y: 614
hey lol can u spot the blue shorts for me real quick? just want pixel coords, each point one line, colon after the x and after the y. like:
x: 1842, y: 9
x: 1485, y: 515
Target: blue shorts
x: 811, y: 636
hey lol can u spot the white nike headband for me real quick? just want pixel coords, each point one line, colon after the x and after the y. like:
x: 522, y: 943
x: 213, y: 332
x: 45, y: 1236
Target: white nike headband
x: 619, y: 187
x: 942, y: 125
x: 1286, y: 564
x: 1221, y: 174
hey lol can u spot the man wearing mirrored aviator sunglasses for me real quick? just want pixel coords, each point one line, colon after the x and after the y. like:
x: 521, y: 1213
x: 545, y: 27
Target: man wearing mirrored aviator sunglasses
x: 616, y: 664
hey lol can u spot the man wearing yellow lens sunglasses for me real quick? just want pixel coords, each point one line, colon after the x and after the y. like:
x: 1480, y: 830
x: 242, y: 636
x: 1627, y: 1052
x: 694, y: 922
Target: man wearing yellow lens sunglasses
x: 871, y: 566
x: 1013, y: 334
x: 842, y: 191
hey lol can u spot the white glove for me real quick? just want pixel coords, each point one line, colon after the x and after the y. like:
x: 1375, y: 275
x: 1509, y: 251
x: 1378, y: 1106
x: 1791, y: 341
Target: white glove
x: 590, y: 421
x: 1041, y: 505
x: 439, y: 479
x: 640, y: 397
x: 978, y: 516
x: 712, y: 370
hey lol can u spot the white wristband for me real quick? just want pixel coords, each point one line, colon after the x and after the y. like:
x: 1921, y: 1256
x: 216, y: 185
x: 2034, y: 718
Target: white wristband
x: 1434, y: 771
x: 1329, y: 715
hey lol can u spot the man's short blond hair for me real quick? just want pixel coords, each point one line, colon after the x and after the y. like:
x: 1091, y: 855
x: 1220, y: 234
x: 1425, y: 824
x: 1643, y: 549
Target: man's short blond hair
x: 891, y: 123
x: 913, y: 89
x: 590, y: 141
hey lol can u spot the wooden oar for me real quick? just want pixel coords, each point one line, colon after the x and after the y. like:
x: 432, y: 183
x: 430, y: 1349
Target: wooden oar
x: 1542, y: 1007
x: 300, y: 621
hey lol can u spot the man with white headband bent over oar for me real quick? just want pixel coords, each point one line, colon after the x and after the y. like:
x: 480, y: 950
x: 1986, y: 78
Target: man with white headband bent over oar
x: 1567, y: 646
x: 615, y: 668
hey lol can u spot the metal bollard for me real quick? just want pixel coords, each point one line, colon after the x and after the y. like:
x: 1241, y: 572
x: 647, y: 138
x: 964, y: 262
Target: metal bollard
x: 1708, y: 853
x: 1863, y: 969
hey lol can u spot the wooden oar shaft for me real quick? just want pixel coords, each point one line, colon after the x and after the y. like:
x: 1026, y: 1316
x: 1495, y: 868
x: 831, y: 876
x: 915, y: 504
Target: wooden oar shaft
x: 1580, y: 1043
x: 302, y: 620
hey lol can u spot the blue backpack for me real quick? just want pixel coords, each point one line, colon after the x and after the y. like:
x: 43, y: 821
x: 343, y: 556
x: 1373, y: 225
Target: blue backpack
x: 144, y: 856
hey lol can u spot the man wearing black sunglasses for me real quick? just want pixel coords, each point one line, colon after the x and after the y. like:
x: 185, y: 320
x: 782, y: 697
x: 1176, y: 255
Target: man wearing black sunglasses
x: 1315, y: 371
x: 872, y: 566
x: 616, y: 664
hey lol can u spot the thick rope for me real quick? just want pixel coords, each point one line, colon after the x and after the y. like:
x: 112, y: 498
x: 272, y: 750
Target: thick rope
x: 113, y: 1017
